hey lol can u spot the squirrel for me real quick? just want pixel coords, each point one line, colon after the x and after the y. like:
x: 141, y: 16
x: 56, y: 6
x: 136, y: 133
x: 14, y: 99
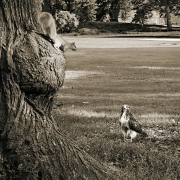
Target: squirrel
x: 48, y: 26
x: 65, y: 44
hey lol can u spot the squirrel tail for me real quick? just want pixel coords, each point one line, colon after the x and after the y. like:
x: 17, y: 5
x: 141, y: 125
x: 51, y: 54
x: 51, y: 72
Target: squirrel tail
x: 48, y: 25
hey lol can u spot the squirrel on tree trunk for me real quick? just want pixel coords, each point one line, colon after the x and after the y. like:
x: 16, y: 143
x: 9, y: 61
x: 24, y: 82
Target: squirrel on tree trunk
x: 48, y: 26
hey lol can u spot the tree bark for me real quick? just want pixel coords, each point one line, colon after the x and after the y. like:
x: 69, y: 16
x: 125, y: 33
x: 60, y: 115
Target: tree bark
x: 31, y: 72
x: 168, y: 17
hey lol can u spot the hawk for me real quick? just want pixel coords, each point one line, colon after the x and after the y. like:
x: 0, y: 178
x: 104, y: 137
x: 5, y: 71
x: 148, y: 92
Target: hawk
x: 129, y: 125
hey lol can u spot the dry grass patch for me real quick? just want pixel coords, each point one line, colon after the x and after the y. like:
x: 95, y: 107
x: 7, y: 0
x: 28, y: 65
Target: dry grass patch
x: 90, y: 113
x: 151, y: 118
x: 163, y: 95
x: 156, y: 68
x: 155, y: 118
x: 70, y: 75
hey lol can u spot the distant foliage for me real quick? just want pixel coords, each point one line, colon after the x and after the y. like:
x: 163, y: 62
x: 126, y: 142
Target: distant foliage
x: 165, y: 7
x: 112, y: 7
x: 85, y: 10
x: 125, y: 8
x: 143, y: 11
x: 106, y: 18
x: 66, y: 22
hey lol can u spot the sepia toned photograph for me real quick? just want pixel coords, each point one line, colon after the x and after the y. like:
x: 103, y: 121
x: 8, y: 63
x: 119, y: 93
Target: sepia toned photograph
x: 89, y: 89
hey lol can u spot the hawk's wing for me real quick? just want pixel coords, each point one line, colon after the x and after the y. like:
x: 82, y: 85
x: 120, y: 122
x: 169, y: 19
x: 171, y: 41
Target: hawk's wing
x: 135, y: 125
x: 132, y: 117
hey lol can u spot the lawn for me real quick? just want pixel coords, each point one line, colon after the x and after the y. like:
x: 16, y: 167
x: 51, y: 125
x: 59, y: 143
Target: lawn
x: 98, y: 82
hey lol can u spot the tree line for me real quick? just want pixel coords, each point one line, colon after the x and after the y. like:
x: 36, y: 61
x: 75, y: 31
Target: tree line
x: 95, y: 10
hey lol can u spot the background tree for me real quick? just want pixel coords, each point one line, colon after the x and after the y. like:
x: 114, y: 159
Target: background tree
x: 168, y: 16
x: 168, y: 7
x: 114, y: 10
x: 145, y: 7
x: 165, y: 6
x: 31, y: 72
x: 59, y: 5
x: 143, y: 11
x: 85, y: 10
x: 110, y: 7
x: 66, y: 22
x: 113, y: 7
x: 125, y: 8
x: 103, y: 8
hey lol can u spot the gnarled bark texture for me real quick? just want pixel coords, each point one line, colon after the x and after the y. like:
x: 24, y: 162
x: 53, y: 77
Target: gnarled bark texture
x: 31, y: 72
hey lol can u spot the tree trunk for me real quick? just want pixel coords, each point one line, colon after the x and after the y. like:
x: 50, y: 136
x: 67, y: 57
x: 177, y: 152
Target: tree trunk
x: 31, y: 72
x: 116, y: 13
x: 168, y: 17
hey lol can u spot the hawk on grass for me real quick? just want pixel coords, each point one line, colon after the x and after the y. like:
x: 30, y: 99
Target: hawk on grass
x: 129, y: 125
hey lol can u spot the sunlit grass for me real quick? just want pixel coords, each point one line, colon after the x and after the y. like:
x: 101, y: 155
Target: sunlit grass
x: 70, y: 75
x: 89, y: 114
x: 155, y: 118
x: 156, y: 68
x: 152, y: 118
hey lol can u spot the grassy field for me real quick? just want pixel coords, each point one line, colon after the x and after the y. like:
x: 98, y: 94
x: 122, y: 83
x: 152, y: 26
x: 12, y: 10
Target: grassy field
x: 98, y: 82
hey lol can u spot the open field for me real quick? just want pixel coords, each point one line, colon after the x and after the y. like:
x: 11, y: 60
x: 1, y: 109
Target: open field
x: 112, y: 42
x: 100, y: 80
